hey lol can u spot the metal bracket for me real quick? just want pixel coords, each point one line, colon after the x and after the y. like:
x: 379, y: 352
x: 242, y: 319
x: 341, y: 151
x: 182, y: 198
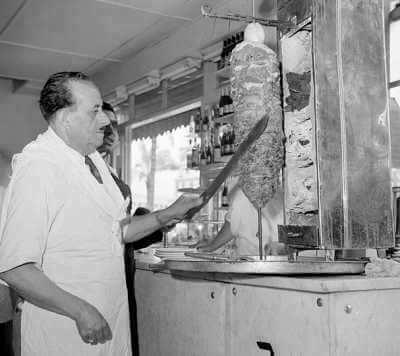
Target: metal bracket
x: 299, y: 236
x: 305, y: 25
x: 207, y: 12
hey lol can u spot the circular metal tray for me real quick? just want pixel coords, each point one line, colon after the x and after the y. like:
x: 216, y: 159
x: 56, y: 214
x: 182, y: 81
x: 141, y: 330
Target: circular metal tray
x: 269, y: 267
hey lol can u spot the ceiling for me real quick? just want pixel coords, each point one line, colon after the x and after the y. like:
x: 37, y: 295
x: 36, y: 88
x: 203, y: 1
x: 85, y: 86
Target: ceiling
x: 41, y: 37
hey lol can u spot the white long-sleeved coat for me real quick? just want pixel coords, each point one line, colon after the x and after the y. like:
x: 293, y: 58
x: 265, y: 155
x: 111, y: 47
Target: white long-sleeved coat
x: 59, y: 217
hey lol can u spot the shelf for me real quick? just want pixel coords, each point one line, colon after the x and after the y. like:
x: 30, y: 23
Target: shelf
x: 210, y: 171
x: 192, y: 190
x: 226, y: 119
x: 224, y: 73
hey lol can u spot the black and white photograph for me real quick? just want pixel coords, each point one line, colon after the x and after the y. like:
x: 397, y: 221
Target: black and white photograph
x: 199, y: 177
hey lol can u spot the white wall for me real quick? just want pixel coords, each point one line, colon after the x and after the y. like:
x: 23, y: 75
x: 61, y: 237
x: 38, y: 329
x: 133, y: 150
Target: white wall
x: 20, y: 119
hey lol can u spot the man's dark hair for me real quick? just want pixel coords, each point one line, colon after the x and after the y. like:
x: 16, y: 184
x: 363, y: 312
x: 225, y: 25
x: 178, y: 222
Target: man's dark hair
x: 107, y: 107
x: 56, y: 93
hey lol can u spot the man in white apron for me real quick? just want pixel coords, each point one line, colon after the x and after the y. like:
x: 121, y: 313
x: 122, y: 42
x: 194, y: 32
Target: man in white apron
x: 241, y: 225
x: 59, y: 245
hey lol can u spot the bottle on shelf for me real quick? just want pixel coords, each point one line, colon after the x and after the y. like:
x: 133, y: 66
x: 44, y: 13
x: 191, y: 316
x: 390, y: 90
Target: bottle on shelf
x: 195, y: 156
x: 221, y: 104
x: 205, y: 123
x: 237, y: 39
x: 191, y: 136
x: 197, y: 123
x: 221, y: 63
x: 228, y: 51
x: 233, y: 44
x: 203, y: 158
x: 217, y: 153
x: 227, y: 48
x: 224, y: 197
x: 189, y: 163
x: 228, y: 143
x: 229, y: 104
x: 226, y: 101
x: 224, y: 106
x: 223, y: 144
x: 233, y: 140
x: 191, y: 127
x: 209, y: 157
x: 216, y: 144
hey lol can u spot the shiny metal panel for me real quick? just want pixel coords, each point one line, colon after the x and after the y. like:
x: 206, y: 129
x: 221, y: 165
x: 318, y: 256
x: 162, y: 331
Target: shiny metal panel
x: 352, y: 131
x: 328, y: 124
x: 269, y: 267
x: 364, y: 97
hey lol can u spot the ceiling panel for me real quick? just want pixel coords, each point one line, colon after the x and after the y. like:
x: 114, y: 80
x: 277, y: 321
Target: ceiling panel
x: 27, y: 63
x: 152, y: 35
x: 81, y: 26
x: 8, y: 9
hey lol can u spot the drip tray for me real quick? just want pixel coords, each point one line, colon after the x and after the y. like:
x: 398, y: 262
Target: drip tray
x: 273, y: 265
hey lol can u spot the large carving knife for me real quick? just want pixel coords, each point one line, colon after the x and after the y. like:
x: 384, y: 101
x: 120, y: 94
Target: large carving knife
x: 253, y: 135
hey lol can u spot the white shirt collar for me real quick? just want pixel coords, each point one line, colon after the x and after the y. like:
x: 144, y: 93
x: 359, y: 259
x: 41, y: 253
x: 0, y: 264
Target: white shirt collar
x: 57, y: 140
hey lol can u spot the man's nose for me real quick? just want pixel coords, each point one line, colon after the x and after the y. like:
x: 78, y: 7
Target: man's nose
x: 103, y: 118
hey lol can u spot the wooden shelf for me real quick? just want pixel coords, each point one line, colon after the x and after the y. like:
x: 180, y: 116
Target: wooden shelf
x: 226, y: 119
x: 210, y: 171
x: 224, y: 73
x: 197, y: 190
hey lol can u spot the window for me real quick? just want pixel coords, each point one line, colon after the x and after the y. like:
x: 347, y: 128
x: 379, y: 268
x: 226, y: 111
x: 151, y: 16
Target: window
x: 158, y: 170
x: 394, y: 46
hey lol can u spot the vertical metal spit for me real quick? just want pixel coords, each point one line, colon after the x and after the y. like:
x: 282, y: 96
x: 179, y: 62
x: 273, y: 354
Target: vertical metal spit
x: 259, y: 233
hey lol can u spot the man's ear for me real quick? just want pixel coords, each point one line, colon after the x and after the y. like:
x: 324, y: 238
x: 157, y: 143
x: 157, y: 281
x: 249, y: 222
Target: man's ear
x: 63, y: 117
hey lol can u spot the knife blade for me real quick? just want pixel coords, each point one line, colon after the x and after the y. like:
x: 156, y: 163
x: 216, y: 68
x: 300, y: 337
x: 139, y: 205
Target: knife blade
x: 207, y: 256
x: 212, y: 256
x: 253, y: 135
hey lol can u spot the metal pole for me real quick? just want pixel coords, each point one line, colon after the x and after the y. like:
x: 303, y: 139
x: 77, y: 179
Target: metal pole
x: 259, y: 233
x: 206, y: 11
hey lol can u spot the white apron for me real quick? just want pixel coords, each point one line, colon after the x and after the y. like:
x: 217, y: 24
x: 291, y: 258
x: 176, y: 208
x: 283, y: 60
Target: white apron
x: 80, y: 254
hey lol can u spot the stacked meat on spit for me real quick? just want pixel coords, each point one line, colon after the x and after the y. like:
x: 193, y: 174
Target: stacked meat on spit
x: 255, y: 90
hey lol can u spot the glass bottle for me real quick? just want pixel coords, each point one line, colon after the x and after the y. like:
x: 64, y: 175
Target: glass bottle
x: 203, y: 158
x: 221, y: 104
x: 209, y: 155
x: 224, y: 197
x: 221, y: 63
x: 223, y: 144
x: 195, y: 157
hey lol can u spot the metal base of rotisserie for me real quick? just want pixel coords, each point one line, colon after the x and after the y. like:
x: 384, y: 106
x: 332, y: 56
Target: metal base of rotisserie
x: 271, y: 267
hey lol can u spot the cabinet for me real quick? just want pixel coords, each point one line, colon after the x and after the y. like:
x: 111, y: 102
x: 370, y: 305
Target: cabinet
x: 179, y: 317
x: 281, y: 321
x: 282, y: 316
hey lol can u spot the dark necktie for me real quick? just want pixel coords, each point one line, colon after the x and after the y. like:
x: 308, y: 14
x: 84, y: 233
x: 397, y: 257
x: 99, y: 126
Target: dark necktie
x: 93, y: 169
x: 125, y: 191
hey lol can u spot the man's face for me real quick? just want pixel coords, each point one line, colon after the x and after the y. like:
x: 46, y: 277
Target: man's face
x: 111, y: 136
x: 86, y: 120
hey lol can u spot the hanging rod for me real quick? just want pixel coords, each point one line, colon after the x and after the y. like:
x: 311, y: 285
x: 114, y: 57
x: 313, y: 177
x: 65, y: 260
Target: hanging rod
x: 207, y: 12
